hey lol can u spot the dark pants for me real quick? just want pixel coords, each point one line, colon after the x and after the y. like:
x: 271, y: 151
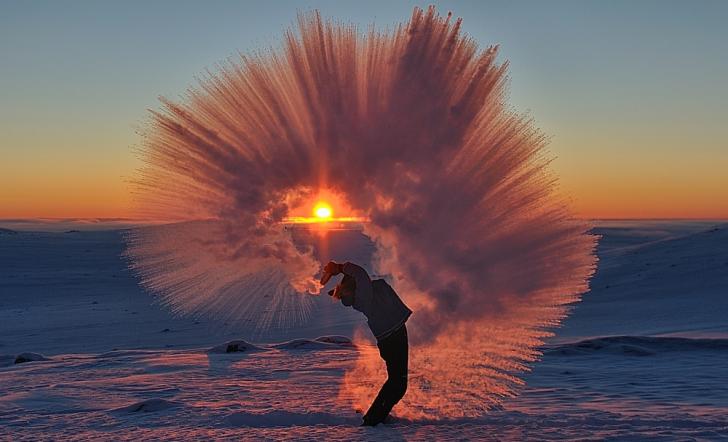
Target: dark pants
x: 393, y: 349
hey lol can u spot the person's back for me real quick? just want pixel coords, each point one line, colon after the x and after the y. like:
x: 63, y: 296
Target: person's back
x: 386, y: 316
x: 388, y: 312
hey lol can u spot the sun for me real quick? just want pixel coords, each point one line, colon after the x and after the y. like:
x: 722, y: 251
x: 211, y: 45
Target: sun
x: 322, y: 211
x: 325, y: 210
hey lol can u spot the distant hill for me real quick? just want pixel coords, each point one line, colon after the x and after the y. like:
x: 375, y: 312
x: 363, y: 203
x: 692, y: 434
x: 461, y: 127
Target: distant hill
x: 673, y: 285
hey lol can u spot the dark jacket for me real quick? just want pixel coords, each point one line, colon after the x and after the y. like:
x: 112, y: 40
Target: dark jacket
x: 383, y: 308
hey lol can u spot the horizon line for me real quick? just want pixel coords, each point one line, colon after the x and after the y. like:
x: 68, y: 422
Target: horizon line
x: 146, y: 220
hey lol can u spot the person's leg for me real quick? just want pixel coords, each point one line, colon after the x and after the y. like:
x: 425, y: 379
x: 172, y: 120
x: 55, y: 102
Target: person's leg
x: 394, y: 351
x: 378, y: 408
x: 397, y: 368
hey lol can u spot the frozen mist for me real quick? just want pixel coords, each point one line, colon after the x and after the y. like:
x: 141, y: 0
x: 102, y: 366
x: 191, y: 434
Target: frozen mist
x: 409, y: 129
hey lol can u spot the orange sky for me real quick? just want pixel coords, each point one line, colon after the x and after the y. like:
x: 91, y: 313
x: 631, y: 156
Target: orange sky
x: 58, y: 188
x: 617, y: 177
x: 67, y: 173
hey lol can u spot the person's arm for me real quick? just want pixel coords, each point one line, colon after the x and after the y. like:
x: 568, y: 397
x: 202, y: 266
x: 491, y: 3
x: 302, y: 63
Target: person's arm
x: 330, y: 270
x: 347, y: 300
x: 363, y: 293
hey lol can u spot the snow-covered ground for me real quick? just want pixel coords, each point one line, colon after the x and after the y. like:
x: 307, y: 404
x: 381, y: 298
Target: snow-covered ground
x: 643, y: 357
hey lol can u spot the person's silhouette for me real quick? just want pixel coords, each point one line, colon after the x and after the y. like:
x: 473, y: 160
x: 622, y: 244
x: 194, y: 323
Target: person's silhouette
x: 386, y: 316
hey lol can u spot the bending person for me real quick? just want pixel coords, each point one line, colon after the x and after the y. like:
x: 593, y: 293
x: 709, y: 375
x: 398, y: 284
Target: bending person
x: 386, y: 316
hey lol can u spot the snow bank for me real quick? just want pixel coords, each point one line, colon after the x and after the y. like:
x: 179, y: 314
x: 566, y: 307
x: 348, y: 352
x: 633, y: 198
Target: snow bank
x: 335, y: 339
x: 637, y: 345
x: 235, y: 346
x: 126, y: 354
x: 673, y: 285
x: 29, y: 357
x: 148, y: 406
x: 320, y: 343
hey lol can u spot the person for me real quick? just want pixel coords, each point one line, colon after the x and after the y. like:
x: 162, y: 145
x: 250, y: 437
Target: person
x: 386, y: 316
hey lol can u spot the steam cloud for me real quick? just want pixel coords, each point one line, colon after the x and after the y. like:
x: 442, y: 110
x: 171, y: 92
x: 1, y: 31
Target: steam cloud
x: 412, y: 128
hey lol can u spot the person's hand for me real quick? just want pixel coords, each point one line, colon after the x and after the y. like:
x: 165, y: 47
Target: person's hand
x: 330, y: 270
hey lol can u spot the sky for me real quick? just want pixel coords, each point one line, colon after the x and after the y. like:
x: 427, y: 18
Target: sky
x: 633, y: 94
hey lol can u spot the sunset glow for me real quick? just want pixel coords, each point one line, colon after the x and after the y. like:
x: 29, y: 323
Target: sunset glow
x: 325, y: 210
x: 322, y: 213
